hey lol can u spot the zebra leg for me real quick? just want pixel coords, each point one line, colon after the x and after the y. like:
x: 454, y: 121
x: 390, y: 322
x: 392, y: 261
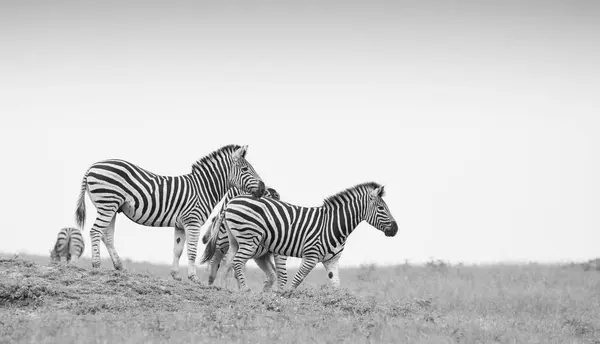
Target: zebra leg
x: 280, y: 262
x: 105, y: 217
x: 308, y: 263
x: 109, y: 241
x: 215, y: 263
x: 178, y: 243
x: 267, y: 266
x: 72, y: 257
x: 75, y: 252
x: 227, y: 262
x: 192, y: 232
x: 228, y: 266
x: 231, y: 252
x: 331, y: 266
x: 209, y: 265
x: 243, y: 254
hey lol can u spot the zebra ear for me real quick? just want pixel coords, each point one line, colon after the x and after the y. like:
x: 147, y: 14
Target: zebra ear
x: 379, y: 192
x: 240, y: 153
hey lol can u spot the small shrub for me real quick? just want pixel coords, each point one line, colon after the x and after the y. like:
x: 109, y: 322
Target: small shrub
x: 366, y: 272
x: 102, y: 306
x: 23, y: 294
x: 345, y: 301
x: 592, y: 264
x: 92, y: 309
x: 580, y: 328
x: 438, y: 264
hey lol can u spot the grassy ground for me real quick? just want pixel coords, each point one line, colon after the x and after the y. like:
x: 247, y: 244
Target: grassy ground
x: 437, y: 303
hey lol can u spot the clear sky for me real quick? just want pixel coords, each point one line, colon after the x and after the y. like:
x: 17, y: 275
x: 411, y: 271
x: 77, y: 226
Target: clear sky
x: 481, y: 118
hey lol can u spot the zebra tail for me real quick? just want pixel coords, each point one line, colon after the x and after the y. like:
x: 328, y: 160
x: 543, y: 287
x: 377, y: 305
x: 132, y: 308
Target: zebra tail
x: 216, y: 220
x: 208, y: 232
x: 211, y: 247
x: 68, y: 246
x: 80, y: 212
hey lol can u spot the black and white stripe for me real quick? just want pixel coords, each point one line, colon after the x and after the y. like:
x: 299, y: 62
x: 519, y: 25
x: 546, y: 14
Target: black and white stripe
x: 183, y: 202
x: 69, y: 245
x: 216, y: 231
x: 315, y: 234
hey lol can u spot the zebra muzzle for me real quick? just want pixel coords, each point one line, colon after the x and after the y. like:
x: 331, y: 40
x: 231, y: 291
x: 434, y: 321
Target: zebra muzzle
x: 260, y: 191
x: 392, y: 229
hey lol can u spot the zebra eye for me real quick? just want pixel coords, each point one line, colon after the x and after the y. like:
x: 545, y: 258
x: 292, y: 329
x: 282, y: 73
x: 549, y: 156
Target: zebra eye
x: 380, y: 208
x: 244, y: 168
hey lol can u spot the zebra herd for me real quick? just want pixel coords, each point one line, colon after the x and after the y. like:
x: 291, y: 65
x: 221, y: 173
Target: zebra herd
x: 244, y: 219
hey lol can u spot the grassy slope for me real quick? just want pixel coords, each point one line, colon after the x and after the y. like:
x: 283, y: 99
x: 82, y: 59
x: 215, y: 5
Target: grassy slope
x: 433, y: 304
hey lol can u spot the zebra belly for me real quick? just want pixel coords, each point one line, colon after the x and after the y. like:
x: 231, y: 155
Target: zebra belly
x: 335, y: 252
x: 261, y: 251
x: 63, y: 251
x: 281, y: 252
x: 129, y: 211
x: 136, y: 216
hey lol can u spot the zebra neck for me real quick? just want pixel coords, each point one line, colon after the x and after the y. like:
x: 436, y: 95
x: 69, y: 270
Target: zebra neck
x: 342, y: 219
x: 211, y: 181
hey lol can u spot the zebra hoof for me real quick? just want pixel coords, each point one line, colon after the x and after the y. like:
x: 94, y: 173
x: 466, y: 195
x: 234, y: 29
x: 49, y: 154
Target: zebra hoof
x: 95, y: 265
x: 286, y: 292
x: 267, y: 286
x: 194, y: 279
x: 176, y: 275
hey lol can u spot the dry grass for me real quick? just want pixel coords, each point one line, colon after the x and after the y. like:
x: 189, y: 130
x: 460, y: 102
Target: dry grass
x: 436, y: 303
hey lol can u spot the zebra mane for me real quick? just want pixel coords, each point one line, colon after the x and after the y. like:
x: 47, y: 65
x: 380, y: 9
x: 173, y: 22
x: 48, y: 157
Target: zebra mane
x: 219, y: 152
x: 360, y: 188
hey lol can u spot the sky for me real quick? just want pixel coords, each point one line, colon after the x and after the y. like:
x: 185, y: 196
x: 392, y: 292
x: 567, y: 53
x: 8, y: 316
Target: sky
x: 481, y: 118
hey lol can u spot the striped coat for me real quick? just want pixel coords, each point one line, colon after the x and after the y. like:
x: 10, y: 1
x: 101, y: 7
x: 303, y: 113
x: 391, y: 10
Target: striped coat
x: 216, y: 231
x: 183, y: 202
x: 69, y: 245
x: 315, y: 234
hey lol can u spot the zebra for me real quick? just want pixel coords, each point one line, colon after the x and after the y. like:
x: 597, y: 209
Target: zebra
x: 216, y: 231
x: 69, y: 245
x: 315, y: 234
x: 183, y: 202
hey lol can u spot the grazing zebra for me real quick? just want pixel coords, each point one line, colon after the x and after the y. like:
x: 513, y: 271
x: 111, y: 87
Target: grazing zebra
x: 69, y: 245
x: 316, y: 234
x: 183, y: 202
x: 216, y: 231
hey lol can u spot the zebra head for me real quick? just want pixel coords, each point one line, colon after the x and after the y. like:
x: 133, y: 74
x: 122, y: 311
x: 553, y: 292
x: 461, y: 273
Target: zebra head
x: 54, y: 257
x: 243, y: 176
x: 378, y: 214
x: 272, y: 193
